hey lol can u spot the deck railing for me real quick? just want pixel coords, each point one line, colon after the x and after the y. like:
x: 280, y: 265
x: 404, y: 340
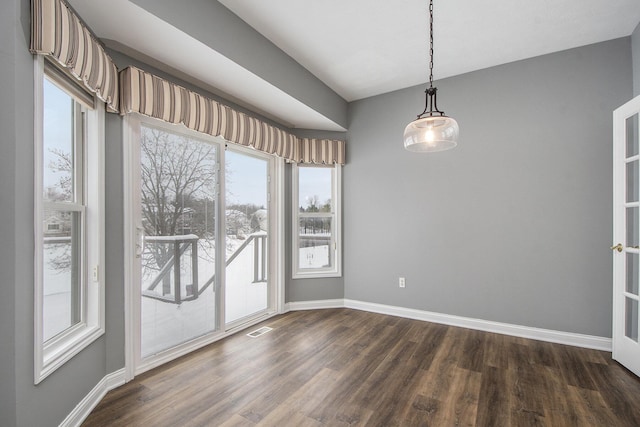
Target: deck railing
x: 171, y: 291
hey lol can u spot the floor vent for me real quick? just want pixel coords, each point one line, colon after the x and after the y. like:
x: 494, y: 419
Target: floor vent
x: 258, y: 332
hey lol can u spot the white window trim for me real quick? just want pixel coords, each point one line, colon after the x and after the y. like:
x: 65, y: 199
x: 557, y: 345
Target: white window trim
x: 336, y: 234
x: 58, y: 350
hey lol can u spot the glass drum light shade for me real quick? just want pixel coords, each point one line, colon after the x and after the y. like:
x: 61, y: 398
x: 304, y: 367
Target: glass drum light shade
x: 430, y: 134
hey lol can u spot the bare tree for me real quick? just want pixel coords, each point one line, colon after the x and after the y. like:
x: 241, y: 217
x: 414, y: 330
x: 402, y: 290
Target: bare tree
x: 177, y: 182
x: 61, y: 164
x: 176, y: 172
x: 61, y: 256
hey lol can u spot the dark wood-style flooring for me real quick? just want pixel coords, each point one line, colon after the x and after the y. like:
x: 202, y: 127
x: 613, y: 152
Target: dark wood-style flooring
x: 344, y: 367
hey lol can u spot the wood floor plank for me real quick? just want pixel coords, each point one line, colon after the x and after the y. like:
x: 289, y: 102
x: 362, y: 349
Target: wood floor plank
x: 461, y: 405
x: 591, y: 409
x: 554, y: 395
x: 472, y: 357
x: 494, y: 401
x: 436, y: 381
x: 494, y: 354
x: 305, y: 399
x: 573, y: 367
x: 615, y: 384
x: 342, y: 367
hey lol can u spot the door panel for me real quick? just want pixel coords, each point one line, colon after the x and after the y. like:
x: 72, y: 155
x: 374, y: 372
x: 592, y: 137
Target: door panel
x: 247, y: 231
x: 626, y: 209
x: 178, y: 250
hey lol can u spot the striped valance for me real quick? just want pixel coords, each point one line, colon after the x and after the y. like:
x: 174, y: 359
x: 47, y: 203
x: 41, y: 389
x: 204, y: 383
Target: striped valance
x: 56, y: 31
x: 144, y: 93
x: 327, y: 151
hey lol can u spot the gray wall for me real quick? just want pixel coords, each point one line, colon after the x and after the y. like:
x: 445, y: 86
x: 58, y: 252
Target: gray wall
x: 114, y: 244
x: 513, y: 225
x: 635, y: 48
x: 11, y: 56
x: 216, y: 26
x: 21, y: 402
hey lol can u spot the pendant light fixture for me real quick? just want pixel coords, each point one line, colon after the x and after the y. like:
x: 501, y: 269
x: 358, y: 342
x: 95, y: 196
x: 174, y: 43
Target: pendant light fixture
x: 432, y: 130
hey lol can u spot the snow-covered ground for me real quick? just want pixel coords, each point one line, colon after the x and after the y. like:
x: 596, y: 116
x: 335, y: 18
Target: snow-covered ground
x: 56, y: 291
x: 166, y: 324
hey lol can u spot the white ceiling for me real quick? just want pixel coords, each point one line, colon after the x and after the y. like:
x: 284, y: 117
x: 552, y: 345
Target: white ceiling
x: 361, y: 48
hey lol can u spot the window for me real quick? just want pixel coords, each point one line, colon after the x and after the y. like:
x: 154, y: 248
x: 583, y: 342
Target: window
x: 316, y: 221
x: 69, y: 222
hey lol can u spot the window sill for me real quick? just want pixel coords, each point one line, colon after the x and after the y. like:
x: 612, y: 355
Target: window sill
x: 317, y: 275
x: 57, y: 352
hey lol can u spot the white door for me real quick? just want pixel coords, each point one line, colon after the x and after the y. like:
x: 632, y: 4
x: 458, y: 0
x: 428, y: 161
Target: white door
x: 626, y: 234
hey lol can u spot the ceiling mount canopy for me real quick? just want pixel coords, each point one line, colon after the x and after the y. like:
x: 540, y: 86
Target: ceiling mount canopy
x: 432, y: 131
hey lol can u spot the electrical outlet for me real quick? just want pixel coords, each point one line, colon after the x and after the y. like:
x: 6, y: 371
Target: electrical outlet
x: 401, y: 282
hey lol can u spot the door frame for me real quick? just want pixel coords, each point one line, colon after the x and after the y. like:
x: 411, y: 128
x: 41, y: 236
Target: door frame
x: 131, y: 191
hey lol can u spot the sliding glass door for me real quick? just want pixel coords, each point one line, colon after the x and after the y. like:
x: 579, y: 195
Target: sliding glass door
x: 198, y: 221
x: 177, y: 239
x: 247, y: 231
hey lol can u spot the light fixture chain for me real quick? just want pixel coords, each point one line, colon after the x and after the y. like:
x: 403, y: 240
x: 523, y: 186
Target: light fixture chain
x: 431, y: 43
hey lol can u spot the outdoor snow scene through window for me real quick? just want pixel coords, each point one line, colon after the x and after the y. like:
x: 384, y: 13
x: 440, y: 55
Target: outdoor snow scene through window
x: 315, y: 229
x: 179, y: 205
x: 69, y: 231
x: 62, y: 211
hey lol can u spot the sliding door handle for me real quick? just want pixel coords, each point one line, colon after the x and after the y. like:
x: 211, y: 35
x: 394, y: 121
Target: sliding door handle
x: 139, y: 241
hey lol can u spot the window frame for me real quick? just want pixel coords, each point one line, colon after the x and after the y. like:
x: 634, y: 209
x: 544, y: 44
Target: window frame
x: 49, y: 355
x: 335, y: 215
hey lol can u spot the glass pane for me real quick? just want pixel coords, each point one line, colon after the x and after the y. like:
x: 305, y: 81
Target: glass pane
x: 314, y: 245
x: 632, y: 273
x: 631, y: 319
x: 632, y: 181
x: 246, y: 291
x: 57, y: 144
x: 632, y: 135
x: 61, y: 271
x: 632, y: 227
x: 178, y: 181
x: 314, y: 189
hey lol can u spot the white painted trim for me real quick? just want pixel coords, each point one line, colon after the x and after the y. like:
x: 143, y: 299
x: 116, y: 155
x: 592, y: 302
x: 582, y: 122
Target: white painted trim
x: 558, y: 337
x: 91, y: 400
x: 130, y: 134
x: 314, y: 305
x: 278, y: 187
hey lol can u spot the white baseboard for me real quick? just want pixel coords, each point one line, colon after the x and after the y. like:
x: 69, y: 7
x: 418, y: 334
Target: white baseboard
x: 91, y: 400
x: 313, y: 305
x: 559, y: 337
